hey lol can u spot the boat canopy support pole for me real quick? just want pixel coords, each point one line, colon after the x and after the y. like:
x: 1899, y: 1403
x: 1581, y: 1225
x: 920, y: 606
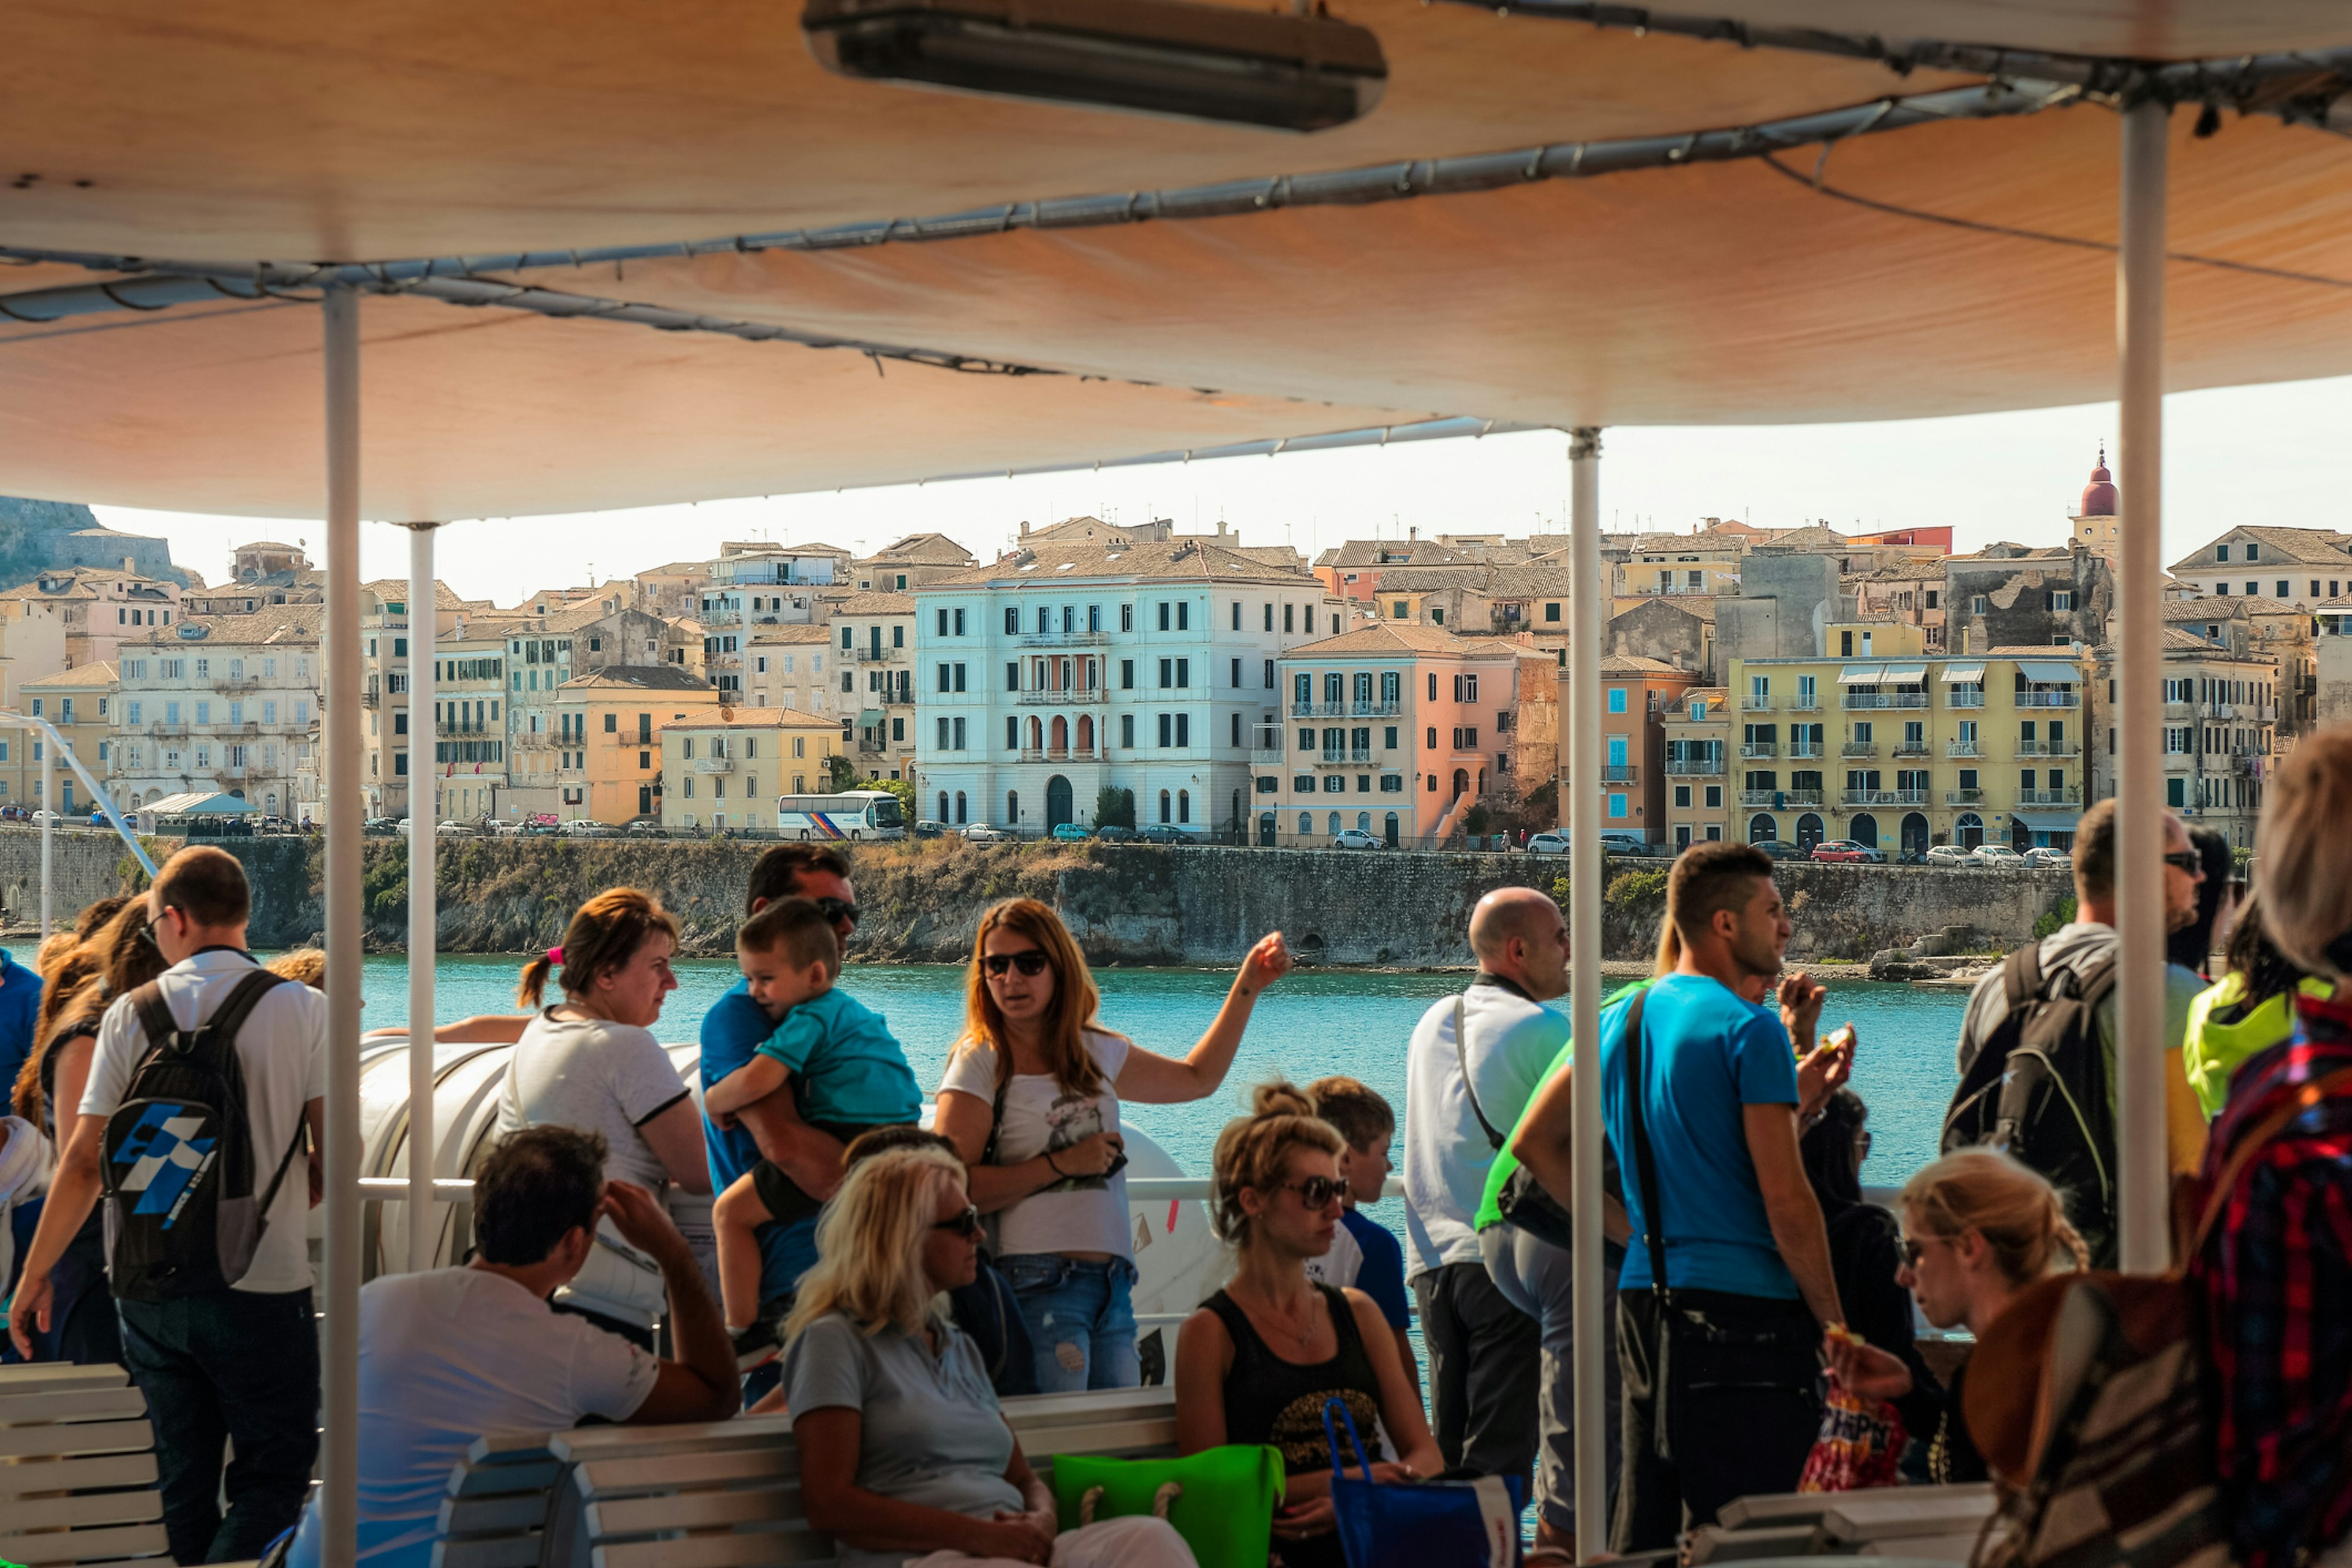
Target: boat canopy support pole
x: 2141, y: 1166
x: 424, y: 817
x: 339, y: 1460
x: 49, y: 830
x: 1580, y: 787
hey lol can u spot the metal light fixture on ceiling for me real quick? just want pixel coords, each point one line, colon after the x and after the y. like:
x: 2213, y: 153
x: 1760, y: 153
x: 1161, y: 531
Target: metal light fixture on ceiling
x: 1288, y: 72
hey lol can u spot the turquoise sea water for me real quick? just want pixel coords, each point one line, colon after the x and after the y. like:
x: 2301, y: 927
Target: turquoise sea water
x: 1315, y: 1022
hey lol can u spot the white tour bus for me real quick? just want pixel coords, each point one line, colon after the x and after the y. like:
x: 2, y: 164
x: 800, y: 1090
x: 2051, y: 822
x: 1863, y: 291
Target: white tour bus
x: 853, y: 814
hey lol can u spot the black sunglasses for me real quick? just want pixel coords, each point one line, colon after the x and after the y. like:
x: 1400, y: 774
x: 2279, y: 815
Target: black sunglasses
x: 2187, y: 860
x: 1315, y: 1191
x: 1033, y: 962
x: 147, y: 935
x: 965, y: 1225
x: 836, y: 911
x: 1910, y: 1251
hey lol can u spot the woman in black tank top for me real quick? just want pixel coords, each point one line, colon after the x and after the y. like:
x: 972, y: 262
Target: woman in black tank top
x: 1258, y: 1362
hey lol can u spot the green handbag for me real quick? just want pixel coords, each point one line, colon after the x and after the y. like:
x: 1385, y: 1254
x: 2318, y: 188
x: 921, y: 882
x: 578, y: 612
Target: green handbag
x: 1220, y: 1501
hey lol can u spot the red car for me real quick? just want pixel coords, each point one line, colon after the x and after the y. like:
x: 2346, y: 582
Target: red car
x: 1847, y: 849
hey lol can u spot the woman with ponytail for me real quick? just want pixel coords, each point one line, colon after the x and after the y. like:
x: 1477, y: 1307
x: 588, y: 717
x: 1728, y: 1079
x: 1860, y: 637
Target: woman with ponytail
x: 1257, y: 1363
x: 591, y: 1061
x: 1978, y: 1227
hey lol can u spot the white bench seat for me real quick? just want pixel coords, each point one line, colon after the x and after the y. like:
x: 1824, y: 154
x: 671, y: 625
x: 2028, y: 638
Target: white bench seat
x: 76, y: 1469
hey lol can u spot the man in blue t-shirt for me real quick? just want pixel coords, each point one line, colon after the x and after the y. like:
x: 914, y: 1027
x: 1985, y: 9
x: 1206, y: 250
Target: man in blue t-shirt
x: 772, y: 1129
x: 1746, y: 1256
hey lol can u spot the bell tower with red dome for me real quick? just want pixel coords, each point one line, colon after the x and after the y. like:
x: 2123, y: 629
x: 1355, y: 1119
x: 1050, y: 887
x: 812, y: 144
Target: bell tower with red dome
x: 2094, y: 525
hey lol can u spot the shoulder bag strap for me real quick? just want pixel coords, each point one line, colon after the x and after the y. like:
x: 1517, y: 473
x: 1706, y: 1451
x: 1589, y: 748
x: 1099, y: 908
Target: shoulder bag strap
x: 2021, y: 975
x: 1654, y: 1226
x: 996, y: 1111
x: 1463, y: 1056
x: 155, y: 1019
x: 231, y: 1014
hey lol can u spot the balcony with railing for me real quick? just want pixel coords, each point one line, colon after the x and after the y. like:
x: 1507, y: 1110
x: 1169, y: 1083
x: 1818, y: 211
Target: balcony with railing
x: 2058, y: 697
x: 1858, y: 749
x: 2049, y: 748
x: 2246, y: 766
x: 1911, y: 748
x: 1706, y: 765
x: 714, y: 764
x: 1963, y: 697
x: 1854, y: 797
x: 1064, y: 639
x: 1883, y: 700
x: 866, y: 653
x: 1804, y: 748
x: 1375, y: 710
x: 2049, y: 797
x: 238, y: 685
x: 1963, y: 749
x: 1789, y: 799
x: 1759, y: 748
x: 1620, y: 772
x: 1334, y: 753
x: 1964, y: 797
x: 1751, y: 703
x: 1266, y: 756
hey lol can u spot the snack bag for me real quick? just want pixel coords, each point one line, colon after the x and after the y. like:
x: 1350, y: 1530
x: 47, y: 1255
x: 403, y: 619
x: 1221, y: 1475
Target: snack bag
x: 1861, y: 1443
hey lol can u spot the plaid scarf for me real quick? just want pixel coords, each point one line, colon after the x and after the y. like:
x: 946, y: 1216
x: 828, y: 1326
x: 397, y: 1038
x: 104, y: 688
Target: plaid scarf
x: 2275, y: 1282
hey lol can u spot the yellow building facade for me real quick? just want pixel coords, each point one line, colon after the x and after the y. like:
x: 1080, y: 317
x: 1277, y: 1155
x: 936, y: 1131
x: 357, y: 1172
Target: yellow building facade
x: 608, y: 728
x: 1698, y: 766
x: 1903, y: 750
x: 79, y: 703
x: 725, y: 771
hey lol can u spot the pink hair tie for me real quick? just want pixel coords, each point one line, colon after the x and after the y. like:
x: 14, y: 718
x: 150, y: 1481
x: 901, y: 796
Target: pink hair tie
x: 555, y: 956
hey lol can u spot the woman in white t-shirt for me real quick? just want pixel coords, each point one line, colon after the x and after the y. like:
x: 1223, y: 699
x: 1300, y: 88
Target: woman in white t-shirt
x: 1031, y: 1098
x: 591, y: 1061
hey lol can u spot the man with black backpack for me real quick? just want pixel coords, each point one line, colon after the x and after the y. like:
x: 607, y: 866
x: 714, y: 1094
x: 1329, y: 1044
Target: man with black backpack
x: 204, y: 1091
x: 2037, y: 1046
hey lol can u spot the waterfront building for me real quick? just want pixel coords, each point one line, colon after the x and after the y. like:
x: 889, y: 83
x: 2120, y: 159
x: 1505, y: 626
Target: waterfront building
x: 1902, y: 750
x: 1696, y: 729
x: 2332, y: 663
x: 79, y: 701
x: 470, y: 746
x: 908, y: 563
x: 1678, y: 630
x: 227, y: 704
x: 32, y: 644
x: 723, y: 769
x: 1673, y: 565
x: 2221, y: 742
x: 1063, y: 669
x: 796, y: 667
x: 2299, y: 566
x: 875, y: 652
x: 1396, y: 729
x: 98, y: 609
x: 604, y: 741
x: 754, y: 586
x: 1635, y: 694
x: 260, y: 575
x: 385, y: 628
x: 543, y: 653
x: 2006, y: 596
x: 672, y: 590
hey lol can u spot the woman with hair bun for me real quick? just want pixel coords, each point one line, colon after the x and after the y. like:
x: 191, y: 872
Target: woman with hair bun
x: 591, y: 1061
x: 1257, y: 1363
x: 1978, y: 1227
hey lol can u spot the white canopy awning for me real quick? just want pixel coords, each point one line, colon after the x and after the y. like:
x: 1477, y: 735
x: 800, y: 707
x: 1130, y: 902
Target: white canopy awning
x: 2049, y: 671
x: 1906, y: 674
x: 1862, y: 675
x: 1964, y: 673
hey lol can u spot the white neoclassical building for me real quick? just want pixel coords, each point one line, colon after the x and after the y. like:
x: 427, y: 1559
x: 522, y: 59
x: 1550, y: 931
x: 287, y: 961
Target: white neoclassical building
x: 1062, y: 669
x: 228, y: 703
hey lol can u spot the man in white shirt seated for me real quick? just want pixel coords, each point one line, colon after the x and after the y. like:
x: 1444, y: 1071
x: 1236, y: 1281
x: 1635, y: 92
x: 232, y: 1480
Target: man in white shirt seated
x: 449, y: 1355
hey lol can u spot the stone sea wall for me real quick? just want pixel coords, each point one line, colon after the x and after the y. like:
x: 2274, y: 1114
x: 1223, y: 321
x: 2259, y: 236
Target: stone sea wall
x: 1140, y: 904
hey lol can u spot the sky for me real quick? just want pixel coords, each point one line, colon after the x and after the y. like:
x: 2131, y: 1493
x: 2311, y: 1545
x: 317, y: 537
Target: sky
x: 2268, y: 454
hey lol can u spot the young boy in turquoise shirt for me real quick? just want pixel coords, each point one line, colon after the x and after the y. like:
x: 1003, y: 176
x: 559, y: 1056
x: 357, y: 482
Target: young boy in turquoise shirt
x: 833, y: 1054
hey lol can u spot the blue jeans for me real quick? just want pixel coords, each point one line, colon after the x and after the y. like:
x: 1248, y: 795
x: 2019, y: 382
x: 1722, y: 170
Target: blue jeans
x: 1081, y: 1320
x: 231, y: 1366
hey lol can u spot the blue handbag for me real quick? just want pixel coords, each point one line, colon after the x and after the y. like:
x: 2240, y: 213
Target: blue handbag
x: 1412, y: 1524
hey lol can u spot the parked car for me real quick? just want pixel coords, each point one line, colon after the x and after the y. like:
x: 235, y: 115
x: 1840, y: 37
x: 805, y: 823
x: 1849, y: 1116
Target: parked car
x: 453, y: 828
x: 41, y: 816
x: 1072, y: 832
x: 1951, y: 854
x: 982, y: 833
x: 1162, y: 833
x: 1779, y: 849
x: 589, y: 827
x: 2045, y: 856
x: 1547, y: 844
x: 1999, y: 855
x: 1619, y: 841
x: 1114, y: 833
x: 1358, y: 838
x: 1849, y: 851
x: 537, y: 830
x: 643, y: 828
x: 273, y: 825
x: 927, y: 828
